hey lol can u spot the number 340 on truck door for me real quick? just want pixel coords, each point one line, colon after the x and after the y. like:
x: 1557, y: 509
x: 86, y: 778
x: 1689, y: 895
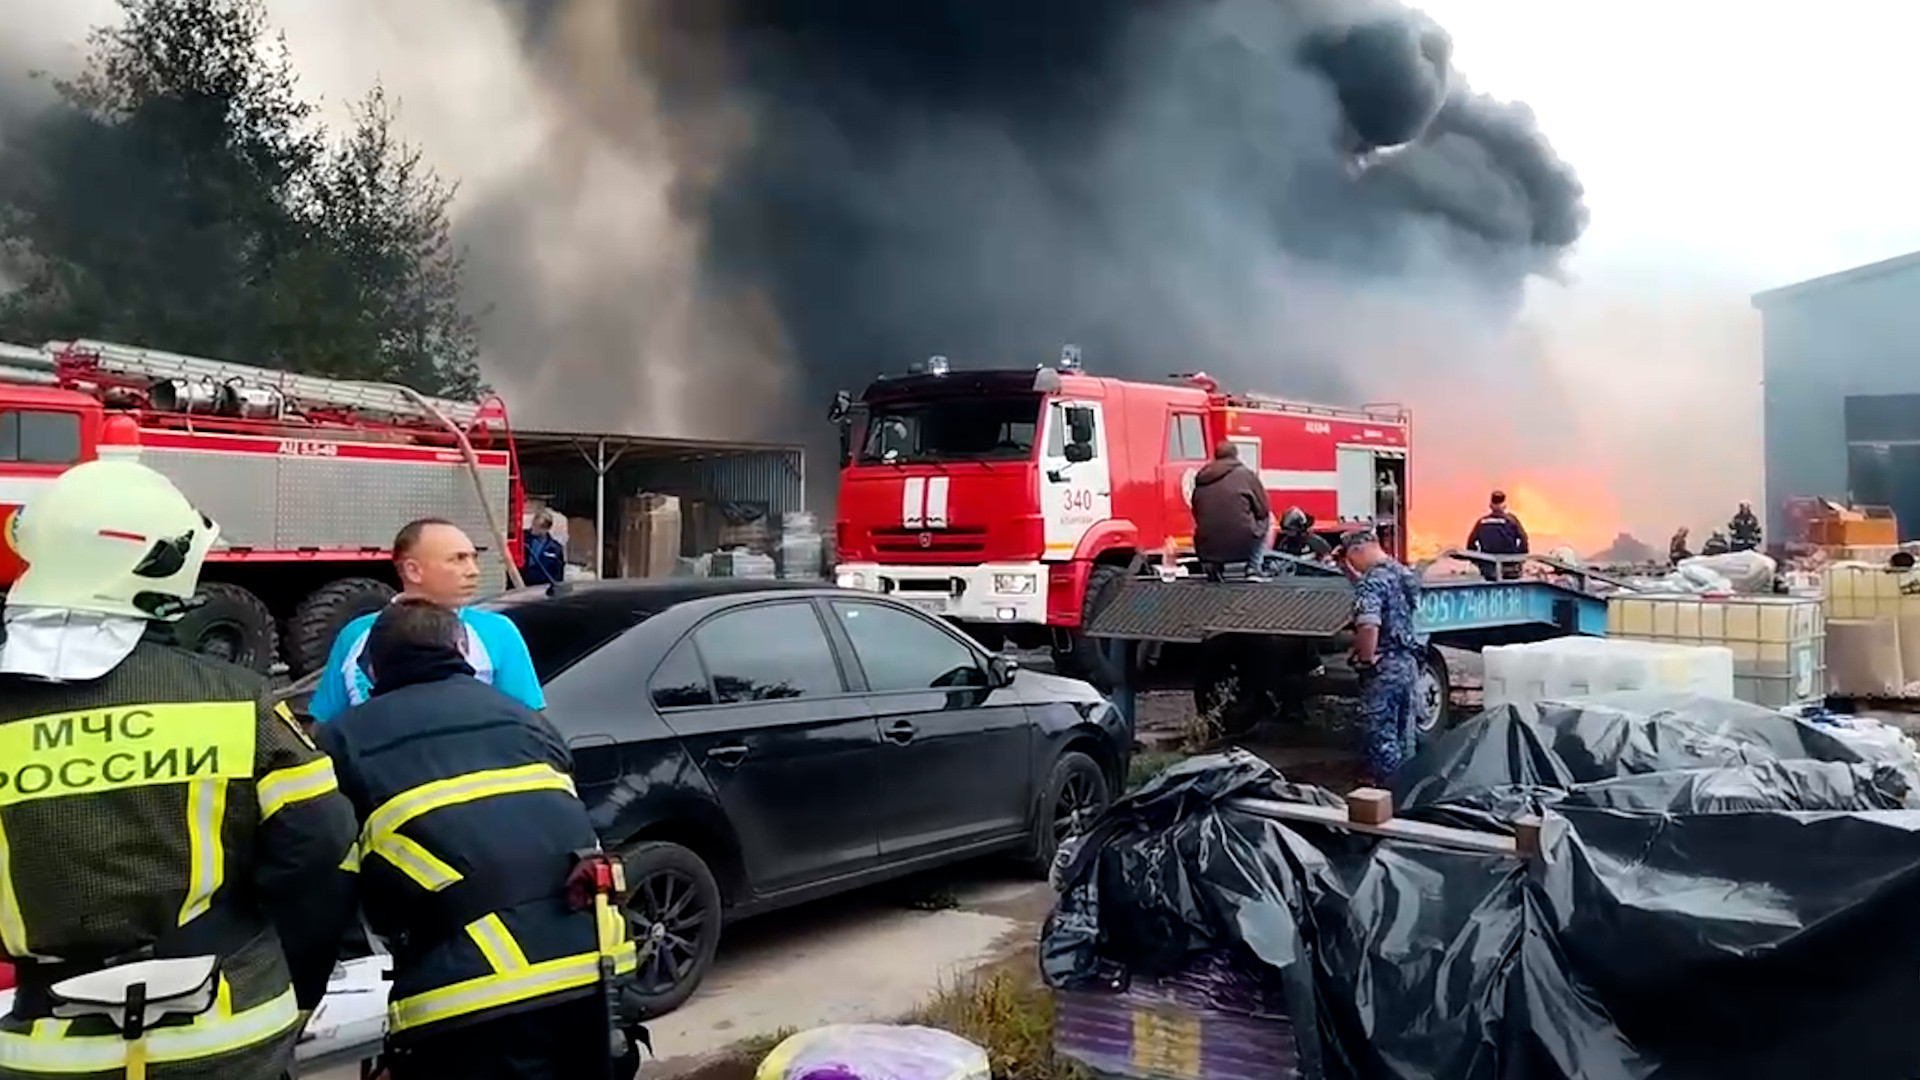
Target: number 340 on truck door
x: 1079, y: 499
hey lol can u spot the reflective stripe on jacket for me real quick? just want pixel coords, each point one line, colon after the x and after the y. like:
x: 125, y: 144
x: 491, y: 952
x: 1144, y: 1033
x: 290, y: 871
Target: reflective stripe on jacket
x: 165, y: 809
x: 469, y: 822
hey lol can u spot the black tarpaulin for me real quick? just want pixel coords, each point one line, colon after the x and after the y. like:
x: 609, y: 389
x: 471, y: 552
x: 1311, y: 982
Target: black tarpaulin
x: 1723, y: 892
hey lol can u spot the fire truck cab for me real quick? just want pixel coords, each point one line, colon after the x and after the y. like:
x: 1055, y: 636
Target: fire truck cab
x: 1007, y: 500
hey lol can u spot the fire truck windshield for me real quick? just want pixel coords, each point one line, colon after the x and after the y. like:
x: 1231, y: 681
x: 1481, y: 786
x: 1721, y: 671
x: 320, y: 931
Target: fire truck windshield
x: 1000, y: 428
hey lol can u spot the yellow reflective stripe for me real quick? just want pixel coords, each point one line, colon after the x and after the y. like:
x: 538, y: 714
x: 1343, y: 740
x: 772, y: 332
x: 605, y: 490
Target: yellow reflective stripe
x: 100, y: 750
x: 499, y: 990
x: 207, y: 856
x: 382, y: 837
x: 282, y: 788
x: 351, y: 862
x: 285, y: 715
x: 496, y: 943
x: 410, y: 804
x: 206, y: 1036
x: 48, y: 1027
x: 13, y: 928
x: 408, y: 857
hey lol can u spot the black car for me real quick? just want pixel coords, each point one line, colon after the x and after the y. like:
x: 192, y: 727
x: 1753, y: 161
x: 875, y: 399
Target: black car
x: 748, y: 745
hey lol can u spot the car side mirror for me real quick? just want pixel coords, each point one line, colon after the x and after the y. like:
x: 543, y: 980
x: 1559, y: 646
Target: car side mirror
x: 1000, y: 670
x: 1077, y: 452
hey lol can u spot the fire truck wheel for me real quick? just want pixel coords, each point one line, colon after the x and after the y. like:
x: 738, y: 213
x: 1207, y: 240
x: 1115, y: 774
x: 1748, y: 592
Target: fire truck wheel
x: 233, y: 625
x: 1084, y: 658
x: 318, y: 619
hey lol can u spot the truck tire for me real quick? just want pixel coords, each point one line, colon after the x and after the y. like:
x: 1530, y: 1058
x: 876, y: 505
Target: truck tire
x: 231, y: 624
x: 1432, y: 695
x: 1085, y: 657
x: 319, y: 618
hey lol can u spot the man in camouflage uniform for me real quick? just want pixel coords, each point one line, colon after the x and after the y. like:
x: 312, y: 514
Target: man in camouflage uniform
x: 1385, y: 650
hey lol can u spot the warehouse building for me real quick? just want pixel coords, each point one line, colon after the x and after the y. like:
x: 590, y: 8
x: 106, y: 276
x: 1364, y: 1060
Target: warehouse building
x: 1841, y: 375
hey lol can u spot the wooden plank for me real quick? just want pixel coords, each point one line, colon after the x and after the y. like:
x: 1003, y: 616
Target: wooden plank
x: 1399, y: 828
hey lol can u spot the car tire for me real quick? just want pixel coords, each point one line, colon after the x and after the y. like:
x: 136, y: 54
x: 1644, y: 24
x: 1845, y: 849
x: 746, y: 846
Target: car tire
x: 230, y: 624
x: 1076, y: 784
x: 674, y: 902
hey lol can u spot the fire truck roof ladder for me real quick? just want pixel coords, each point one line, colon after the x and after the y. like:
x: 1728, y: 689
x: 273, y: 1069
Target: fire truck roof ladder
x: 309, y: 390
x: 20, y: 364
x: 1379, y: 413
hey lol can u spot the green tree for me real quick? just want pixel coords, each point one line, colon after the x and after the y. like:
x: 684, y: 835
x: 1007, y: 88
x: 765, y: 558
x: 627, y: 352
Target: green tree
x: 182, y: 196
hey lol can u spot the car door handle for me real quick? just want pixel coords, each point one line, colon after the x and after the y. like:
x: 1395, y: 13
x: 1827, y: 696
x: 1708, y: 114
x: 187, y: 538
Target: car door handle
x: 729, y: 756
x: 900, y: 731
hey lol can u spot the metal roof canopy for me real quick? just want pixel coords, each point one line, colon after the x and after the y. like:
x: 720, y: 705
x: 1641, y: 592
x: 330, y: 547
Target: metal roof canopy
x: 601, y: 451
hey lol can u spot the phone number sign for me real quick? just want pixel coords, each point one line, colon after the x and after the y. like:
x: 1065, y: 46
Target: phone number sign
x: 1467, y: 606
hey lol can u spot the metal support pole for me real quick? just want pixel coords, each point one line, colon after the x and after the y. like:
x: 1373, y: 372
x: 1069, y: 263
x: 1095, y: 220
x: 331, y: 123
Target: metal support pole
x: 600, y: 508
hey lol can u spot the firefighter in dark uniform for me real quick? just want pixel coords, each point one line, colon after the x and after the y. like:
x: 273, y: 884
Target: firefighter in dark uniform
x: 167, y: 835
x: 1743, y: 532
x: 1298, y: 539
x: 1498, y: 532
x: 470, y: 833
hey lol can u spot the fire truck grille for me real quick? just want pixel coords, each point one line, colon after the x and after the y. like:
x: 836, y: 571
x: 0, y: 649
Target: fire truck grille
x: 940, y: 544
x: 1192, y: 611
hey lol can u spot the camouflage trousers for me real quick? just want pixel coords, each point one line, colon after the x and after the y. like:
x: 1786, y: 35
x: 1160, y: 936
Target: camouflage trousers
x: 1386, y: 715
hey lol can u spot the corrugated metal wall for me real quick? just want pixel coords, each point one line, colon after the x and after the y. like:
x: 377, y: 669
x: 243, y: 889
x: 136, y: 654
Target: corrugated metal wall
x: 1855, y: 336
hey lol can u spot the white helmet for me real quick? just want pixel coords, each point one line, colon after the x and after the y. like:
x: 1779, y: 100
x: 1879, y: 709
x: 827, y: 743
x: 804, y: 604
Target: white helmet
x: 112, y: 538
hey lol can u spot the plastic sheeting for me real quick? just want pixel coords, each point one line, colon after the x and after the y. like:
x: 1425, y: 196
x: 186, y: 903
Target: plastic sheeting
x: 1724, y: 892
x: 875, y: 1052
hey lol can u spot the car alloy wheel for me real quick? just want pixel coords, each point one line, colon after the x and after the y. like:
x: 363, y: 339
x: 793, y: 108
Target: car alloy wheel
x: 669, y: 921
x: 1076, y: 807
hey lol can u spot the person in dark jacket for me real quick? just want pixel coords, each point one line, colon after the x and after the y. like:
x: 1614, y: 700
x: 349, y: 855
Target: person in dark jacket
x: 1298, y: 539
x: 544, y: 559
x: 1230, y: 510
x: 1498, y: 532
x: 1677, y: 549
x: 1743, y: 532
x: 470, y: 825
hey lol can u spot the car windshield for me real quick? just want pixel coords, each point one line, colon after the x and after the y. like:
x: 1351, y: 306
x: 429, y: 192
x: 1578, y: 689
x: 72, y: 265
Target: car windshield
x: 561, y: 631
x: 999, y: 428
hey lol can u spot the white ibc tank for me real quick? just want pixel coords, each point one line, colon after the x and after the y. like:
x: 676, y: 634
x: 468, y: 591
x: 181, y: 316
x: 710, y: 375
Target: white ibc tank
x: 1579, y: 666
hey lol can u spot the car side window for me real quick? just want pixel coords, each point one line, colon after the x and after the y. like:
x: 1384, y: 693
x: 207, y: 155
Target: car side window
x: 902, y: 651
x: 768, y: 652
x: 680, y: 682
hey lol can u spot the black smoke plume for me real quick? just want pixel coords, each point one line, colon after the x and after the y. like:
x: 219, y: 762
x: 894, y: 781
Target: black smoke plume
x: 1240, y: 186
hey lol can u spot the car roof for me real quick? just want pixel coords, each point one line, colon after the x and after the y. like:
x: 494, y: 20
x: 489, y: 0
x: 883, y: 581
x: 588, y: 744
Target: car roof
x: 649, y: 594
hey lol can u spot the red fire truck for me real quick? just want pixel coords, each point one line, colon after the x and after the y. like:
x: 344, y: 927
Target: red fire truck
x: 308, y: 477
x: 1009, y: 500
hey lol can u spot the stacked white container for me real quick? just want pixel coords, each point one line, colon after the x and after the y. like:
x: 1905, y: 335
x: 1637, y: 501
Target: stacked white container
x: 1580, y: 666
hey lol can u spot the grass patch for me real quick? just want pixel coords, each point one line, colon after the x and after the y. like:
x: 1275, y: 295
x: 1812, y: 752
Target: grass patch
x: 1148, y: 763
x: 1007, y: 1010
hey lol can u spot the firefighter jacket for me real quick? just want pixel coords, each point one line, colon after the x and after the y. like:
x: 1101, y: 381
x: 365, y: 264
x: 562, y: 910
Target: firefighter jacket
x: 166, y: 810
x: 469, y: 827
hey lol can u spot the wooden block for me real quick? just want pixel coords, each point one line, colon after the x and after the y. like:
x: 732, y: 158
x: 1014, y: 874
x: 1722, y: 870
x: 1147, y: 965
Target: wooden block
x: 1526, y: 837
x: 1369, y: 806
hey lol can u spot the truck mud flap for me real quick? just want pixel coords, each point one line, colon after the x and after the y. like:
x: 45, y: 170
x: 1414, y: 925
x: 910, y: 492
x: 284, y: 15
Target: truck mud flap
x: 1188, y: 611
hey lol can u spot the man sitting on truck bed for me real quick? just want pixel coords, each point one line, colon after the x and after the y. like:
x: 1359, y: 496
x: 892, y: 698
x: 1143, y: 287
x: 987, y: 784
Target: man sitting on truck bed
x: 435, y: 561
x: 1230, y: 510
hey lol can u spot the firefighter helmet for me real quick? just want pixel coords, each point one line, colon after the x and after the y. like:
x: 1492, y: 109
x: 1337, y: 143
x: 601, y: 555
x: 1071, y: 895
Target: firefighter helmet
x: 1295, y: 520
x: 112, y: 538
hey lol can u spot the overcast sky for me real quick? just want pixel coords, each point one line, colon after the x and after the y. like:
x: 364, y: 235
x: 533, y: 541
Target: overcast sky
x: 1757, y: 144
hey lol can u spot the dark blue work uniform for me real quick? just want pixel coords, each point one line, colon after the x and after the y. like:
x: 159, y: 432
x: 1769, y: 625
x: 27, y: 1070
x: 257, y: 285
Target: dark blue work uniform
x: 469, y: 824
x: 1387, y: 596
